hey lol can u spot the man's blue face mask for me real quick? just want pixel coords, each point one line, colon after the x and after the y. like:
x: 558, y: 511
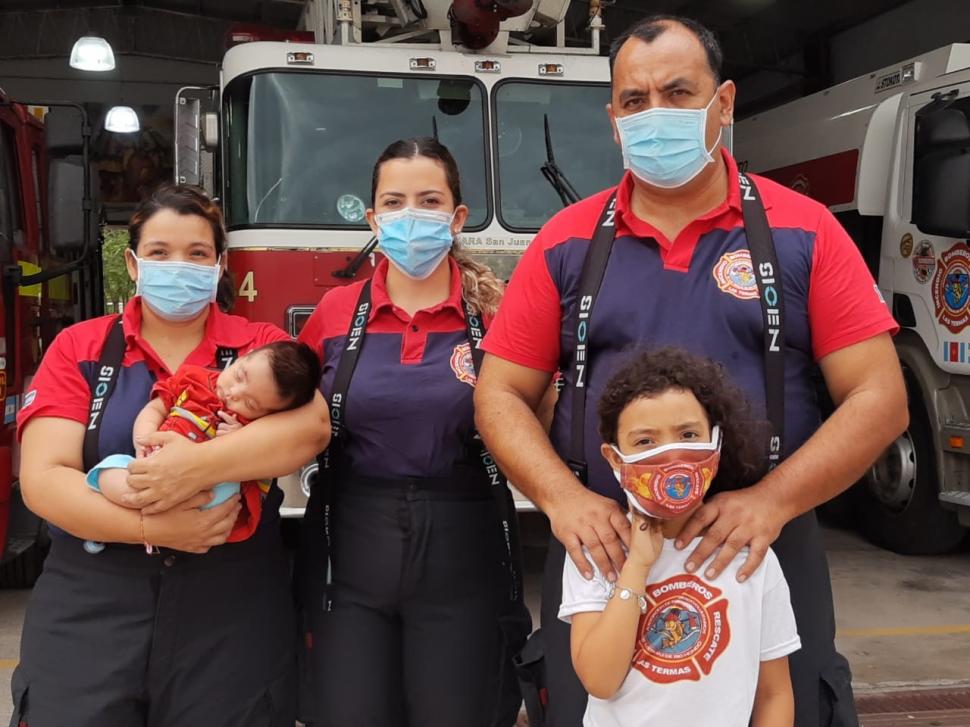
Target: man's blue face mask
x: 666, y: 147
x: 415, y: 241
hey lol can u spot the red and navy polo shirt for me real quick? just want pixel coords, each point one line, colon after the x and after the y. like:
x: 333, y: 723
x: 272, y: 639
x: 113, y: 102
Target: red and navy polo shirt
x: 697, y: 291
x: 63, y: 384
x: 409, y: 410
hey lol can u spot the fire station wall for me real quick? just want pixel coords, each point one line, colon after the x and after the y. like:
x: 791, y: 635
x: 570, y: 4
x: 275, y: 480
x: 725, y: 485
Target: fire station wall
x: 906, y: 31
x: 136, y: 80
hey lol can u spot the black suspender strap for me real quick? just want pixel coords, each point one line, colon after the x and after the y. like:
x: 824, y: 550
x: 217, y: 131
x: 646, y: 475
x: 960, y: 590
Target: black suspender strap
x: 322, y: 493
x: 594, y: 267
x: 499, y: 485
x: 764, y: 260
x: 767, y: 274
x: 102, y: 385
x: 345, y: 370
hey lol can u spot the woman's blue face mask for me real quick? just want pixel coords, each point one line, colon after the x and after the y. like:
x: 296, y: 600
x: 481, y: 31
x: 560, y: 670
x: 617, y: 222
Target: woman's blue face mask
x: 415, y: 241
x: 664, y: 147
x: 177, y: 291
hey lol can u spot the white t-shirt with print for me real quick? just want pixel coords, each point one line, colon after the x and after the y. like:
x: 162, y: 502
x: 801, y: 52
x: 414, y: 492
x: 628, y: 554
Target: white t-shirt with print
x: 699, y: 646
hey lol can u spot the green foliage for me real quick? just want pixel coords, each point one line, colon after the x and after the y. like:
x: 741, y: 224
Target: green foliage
x: 118, y: 287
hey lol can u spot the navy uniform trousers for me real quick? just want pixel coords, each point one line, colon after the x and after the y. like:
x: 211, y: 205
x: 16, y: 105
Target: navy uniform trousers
x: 414, y: 635
x: 125, y: 639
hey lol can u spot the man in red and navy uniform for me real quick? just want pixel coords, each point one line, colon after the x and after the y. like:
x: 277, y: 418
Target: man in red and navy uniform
x: 680, y: 273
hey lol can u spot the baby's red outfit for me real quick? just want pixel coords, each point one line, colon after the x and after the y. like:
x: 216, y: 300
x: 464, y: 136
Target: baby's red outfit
x: 193, y: 411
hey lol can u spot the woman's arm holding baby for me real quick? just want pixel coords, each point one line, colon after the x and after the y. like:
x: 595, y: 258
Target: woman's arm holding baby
x: 269, y: 447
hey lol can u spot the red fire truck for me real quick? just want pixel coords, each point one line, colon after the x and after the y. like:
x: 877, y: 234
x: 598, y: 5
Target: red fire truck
x: 50, y: 278
x: 293, y: 130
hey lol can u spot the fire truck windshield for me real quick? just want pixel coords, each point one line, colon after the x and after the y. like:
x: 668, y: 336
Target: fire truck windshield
x: 579, y: 132
x: 301, y: 147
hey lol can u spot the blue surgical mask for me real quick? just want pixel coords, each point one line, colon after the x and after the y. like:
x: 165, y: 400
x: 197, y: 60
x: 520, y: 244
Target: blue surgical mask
x: 666, y: 147
x: 415, y: 241
x: 177, y: 291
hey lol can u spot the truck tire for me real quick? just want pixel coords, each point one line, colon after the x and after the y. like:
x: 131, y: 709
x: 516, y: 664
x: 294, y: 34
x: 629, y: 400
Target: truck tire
x: 22, y: 570
x: 898, y: 506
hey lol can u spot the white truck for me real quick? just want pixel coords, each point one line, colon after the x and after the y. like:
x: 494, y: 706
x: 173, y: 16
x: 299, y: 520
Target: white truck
x: 889, y: 153
x: 290, y: 136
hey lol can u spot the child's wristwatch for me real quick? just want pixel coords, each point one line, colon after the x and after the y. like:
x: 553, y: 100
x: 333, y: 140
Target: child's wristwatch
x: 626, y: 594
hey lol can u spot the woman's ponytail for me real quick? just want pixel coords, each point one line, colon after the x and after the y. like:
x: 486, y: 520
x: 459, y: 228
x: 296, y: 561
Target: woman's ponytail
x: 480, y: 286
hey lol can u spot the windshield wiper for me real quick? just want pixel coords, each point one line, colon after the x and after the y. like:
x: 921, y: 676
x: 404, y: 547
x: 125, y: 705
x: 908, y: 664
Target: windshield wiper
x: 353, y: 266
x: 554, y: 175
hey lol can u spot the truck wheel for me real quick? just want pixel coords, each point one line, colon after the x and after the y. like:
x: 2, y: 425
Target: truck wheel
x: 899, y: 508
x: 22, y: 570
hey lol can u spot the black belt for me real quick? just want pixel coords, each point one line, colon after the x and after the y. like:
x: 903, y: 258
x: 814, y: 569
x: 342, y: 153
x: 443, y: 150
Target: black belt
x: 464, y: 486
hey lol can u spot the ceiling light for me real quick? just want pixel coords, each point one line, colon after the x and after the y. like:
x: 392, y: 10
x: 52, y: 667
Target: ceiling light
x: 91, y: 53
x: 121, y: 120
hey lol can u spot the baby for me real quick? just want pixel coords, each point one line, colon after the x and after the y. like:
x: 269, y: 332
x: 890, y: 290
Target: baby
x: 202, y: 403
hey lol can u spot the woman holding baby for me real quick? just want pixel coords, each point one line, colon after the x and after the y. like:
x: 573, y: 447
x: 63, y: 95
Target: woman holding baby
x: 159, y: 626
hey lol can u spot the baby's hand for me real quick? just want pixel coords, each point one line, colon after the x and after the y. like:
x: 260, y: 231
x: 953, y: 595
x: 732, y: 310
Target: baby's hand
x: 142, y: 451
x: 228, y: 424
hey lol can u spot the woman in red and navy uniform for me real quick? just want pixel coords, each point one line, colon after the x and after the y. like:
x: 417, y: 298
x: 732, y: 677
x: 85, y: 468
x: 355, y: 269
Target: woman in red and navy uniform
x: 193, y: 632
x: 408, y: 629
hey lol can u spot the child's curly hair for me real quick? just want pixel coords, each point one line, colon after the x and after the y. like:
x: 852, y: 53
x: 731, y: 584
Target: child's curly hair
x: 652, y: 372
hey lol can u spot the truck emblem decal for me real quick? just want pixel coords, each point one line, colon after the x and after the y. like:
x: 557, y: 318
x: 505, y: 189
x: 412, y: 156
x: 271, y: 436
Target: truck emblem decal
x: 906, y: 245
x: 951, y: 288
x: 924, y: 261
x: 734, y: 275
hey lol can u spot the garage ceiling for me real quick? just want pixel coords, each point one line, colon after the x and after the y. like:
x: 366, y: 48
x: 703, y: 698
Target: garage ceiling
x: 787, y: 38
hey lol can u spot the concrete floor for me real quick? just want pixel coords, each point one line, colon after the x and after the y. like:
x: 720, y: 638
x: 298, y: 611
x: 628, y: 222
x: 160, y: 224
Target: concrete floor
x: 903, y: 622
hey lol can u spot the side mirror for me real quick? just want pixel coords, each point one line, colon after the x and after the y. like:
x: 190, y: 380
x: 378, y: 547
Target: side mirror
x: 63, y: 128
x: 196, y: 137
x: 941, y: 179
x: 66, y: 187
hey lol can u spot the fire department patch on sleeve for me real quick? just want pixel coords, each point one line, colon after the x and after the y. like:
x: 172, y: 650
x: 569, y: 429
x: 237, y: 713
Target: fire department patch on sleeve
x: 462, y: 364
x: 951, y: 288
x: 734, y: 275
x: 684, y: 631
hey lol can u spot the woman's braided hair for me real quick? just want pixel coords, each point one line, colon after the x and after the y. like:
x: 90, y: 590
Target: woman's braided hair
x: 480, y: 286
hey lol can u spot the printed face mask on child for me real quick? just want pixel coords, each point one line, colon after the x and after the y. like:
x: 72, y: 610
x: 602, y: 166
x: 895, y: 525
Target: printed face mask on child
x: 666, y: 490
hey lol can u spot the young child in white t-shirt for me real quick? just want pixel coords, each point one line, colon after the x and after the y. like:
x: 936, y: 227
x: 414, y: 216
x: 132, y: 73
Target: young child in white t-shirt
x: 662, y: 646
